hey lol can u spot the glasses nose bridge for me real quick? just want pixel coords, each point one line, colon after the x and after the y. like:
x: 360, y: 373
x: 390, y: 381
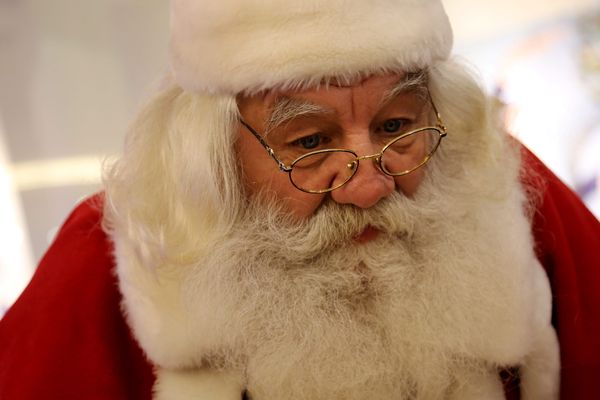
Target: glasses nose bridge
x: 376, y: 157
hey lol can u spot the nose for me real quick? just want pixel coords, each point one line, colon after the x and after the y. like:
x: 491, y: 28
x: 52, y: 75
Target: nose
x: 367, y: 187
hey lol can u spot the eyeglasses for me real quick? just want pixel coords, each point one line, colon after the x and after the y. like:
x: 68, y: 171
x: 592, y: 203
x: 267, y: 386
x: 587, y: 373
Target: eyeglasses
x: 322, y: 171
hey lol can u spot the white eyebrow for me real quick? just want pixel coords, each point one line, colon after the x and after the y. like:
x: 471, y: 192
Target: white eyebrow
x: 286, y: 109
x: 415, y: 82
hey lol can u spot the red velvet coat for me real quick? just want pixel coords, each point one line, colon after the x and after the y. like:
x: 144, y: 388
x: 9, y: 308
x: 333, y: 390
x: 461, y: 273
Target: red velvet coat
x: 65, y: 338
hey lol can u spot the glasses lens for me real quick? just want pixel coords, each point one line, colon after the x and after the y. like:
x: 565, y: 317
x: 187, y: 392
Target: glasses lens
x: 323, y: 171
x: 408, y: 153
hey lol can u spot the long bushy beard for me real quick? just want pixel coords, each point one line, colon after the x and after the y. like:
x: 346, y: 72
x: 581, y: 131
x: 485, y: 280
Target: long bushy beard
x: 307, y: 313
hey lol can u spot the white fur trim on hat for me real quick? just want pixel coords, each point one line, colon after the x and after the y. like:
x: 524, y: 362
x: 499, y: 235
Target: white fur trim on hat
x: 233, y: 46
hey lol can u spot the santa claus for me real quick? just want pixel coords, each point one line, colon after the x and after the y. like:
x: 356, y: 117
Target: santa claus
x: 319, y: 203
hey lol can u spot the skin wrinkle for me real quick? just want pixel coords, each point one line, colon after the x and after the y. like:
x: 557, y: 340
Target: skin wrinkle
x: 353, y: 100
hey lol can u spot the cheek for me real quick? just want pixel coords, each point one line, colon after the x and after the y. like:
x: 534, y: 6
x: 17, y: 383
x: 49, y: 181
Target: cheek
x: 260, y: 175
x: 408, y: 184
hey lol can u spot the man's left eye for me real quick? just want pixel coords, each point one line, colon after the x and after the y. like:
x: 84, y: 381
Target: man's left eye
x: 394, y: 125
x: 309, y: 142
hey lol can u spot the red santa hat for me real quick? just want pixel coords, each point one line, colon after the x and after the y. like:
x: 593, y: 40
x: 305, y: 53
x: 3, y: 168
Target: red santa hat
x: 233, y: 46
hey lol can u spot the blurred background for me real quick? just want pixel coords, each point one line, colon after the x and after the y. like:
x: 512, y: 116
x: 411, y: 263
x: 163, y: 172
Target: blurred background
x: 72, y: 74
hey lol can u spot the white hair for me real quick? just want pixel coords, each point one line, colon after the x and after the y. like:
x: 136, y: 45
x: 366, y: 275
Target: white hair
x: 178, y: 175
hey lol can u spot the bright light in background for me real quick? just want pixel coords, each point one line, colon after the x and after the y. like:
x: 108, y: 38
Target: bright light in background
x: 542, y: 62
x: 57, y: 173
x: 16, y: 263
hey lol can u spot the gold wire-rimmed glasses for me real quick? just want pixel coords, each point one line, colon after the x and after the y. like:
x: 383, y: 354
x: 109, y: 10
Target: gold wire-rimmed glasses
x: 325, y: 170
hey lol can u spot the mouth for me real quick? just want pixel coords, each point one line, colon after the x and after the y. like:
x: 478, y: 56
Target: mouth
x: 368, y: 234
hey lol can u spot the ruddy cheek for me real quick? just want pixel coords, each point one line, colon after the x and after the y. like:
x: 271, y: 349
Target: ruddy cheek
x: 274, y: 186
x: 409, y: 184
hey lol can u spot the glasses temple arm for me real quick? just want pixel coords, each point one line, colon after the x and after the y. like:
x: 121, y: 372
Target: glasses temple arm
x: 268, y: 148
x: 437, y: 113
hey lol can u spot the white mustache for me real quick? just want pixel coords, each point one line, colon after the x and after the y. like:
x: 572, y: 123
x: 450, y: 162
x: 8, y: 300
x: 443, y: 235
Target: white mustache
x: 333, y: 225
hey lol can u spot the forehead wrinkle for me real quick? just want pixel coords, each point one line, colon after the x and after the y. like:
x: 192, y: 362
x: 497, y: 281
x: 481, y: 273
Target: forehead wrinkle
x: 285, y: 109
x: 353, y: 106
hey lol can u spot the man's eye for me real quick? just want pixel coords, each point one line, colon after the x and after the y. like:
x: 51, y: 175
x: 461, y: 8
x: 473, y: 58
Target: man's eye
x: 394, y: 125
x: 309, y: 142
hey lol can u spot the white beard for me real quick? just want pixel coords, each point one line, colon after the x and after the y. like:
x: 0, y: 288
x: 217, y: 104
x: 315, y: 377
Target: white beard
x: 433, y: 308
x: 447, y: 295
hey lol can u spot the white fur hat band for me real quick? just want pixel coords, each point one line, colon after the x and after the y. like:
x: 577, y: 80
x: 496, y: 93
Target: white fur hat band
x: 233, y: 46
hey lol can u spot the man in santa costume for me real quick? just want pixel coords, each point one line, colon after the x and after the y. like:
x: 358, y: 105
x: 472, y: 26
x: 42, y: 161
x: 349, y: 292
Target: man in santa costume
x: 318, y: 204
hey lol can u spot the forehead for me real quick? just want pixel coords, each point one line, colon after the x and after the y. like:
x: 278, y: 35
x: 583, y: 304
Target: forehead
x: 373, y: 89
x: 369, y: 84
x: 370, y: 91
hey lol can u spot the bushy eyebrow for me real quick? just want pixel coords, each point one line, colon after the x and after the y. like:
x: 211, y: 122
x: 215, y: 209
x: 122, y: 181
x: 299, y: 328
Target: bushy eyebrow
x: 413, y: 82
x: 285, y: 109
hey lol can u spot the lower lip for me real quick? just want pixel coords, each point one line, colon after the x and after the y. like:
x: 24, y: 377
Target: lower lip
x: 368, y: 234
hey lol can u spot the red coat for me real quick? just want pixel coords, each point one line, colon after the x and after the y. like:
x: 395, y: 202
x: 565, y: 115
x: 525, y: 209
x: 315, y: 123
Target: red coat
x: 65, y: 338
